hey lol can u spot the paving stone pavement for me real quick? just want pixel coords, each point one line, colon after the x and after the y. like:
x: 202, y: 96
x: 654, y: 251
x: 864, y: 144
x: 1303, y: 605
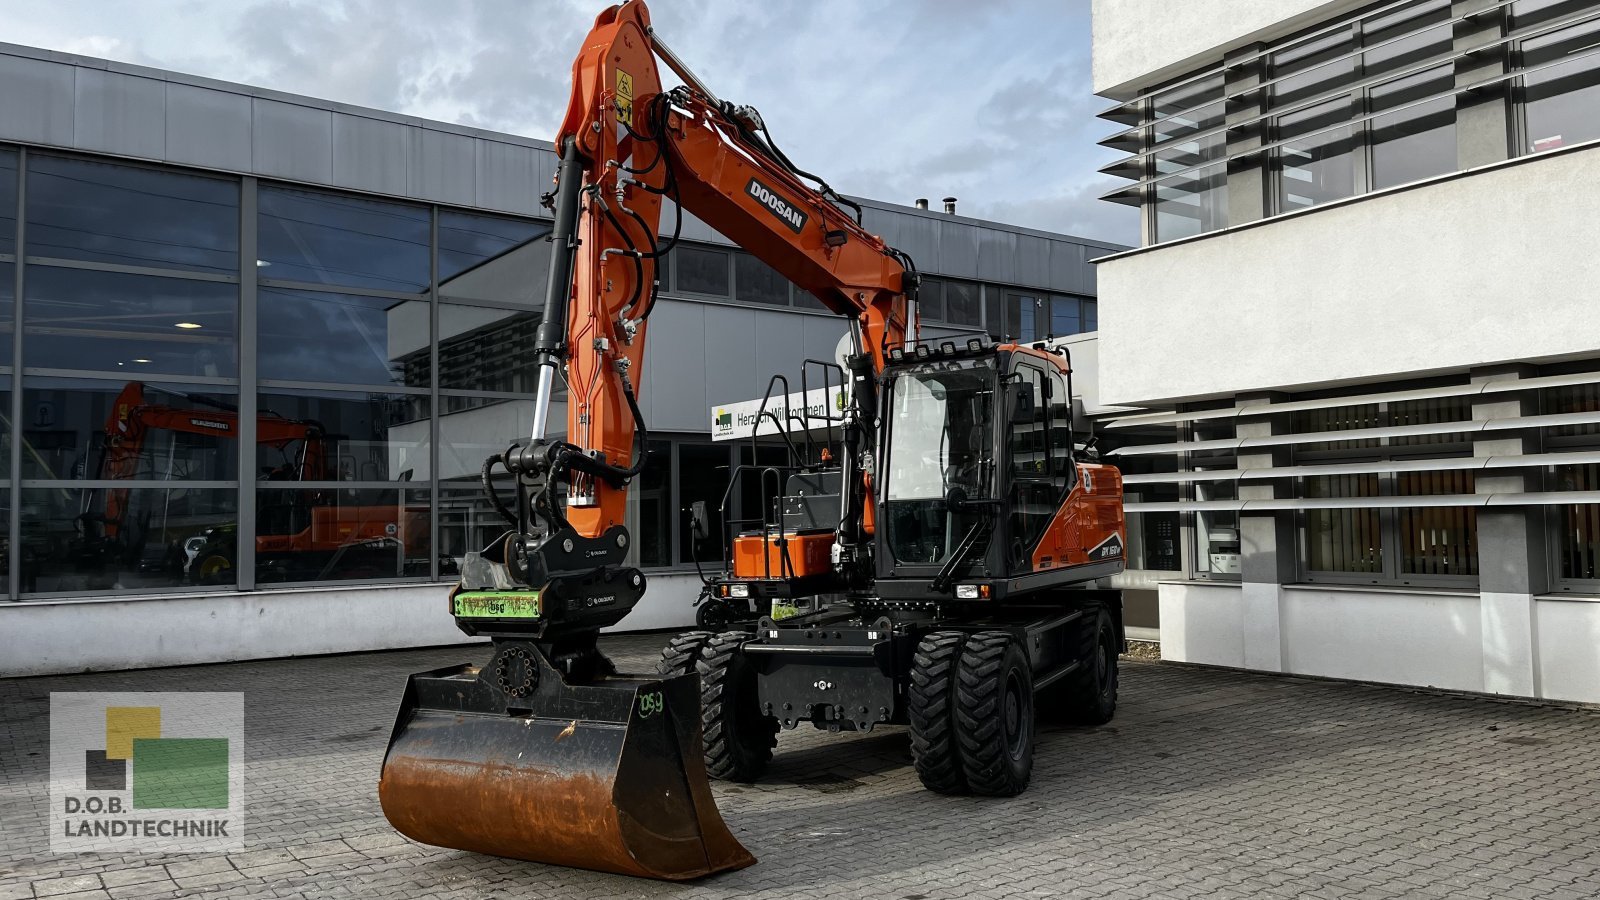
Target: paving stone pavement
x: 1208, y: 784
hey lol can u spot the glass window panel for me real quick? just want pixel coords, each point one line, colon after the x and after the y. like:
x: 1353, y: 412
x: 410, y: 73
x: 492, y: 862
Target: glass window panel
x: 962, y: 303
x: 994, y: 312
x: 77, y: 428
x: 1195, y: 201
x: 1064, y: 317
x: 1091, y: 315
x: 8, y: 284
x: 342, y: 338
x: 1527, y: 14
x: 1026, y: 316
x: 1437, y: 540
x: 142, y: 324
x: 1417, y: 142
x: 654, y: 490
x: 930, y: 299
x: 703, y: 474
x: 701, y: 271
x: 1319, y: 167
x: 339, y: 534
x: 166, y: 536
x: 1403, y: 39
x: 1343, y: 540
x: 8, y: 200
x: 130, y: 215
x: 1562, y: 103
x: 1188, y: 108
x: 805, y: 300
x: 1216, y: 531
x: 493, y: 258
x: 1313, y: 68
x: 359, y: 437
x: 758, y: 283
x: 472, y: 431
x: 486, y: 349
x: 1579, y: 538
x: 467, y: 523
x: 326, y: 238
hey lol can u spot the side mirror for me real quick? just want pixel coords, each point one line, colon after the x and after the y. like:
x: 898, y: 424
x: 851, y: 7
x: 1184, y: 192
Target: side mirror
x: 1022, y: 408
x: 699, y: 520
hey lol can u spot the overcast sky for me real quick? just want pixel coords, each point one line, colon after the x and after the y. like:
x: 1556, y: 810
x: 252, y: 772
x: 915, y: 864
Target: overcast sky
x: 987, y: 100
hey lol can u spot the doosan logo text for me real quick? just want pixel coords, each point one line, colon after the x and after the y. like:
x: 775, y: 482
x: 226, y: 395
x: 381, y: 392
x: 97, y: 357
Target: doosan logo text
x: 778, y: 206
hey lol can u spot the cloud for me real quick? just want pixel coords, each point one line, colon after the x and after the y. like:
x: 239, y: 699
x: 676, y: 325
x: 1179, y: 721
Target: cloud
x: 893, y: 99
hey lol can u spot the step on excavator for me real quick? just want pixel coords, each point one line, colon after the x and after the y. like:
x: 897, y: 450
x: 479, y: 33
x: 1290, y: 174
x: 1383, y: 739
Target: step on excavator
x: 947, y: 547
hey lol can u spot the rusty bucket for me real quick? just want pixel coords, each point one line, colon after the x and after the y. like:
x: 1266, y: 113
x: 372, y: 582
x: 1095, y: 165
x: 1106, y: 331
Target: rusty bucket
x: 512, y: 761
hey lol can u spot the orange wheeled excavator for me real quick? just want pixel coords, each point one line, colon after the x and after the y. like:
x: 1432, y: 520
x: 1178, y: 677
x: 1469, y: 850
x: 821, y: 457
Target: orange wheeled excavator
x: 961, y: 528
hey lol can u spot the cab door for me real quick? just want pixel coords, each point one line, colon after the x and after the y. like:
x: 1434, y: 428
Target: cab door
x: 1032, y: 497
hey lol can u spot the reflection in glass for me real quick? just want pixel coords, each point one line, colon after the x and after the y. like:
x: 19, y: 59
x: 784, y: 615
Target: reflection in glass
x: 1437, y: 540
x: 1562, y: 102
x: 132, y: 216
x: 930, y: 299
x: 8, y: 283
x: 360, y: 437
x: 962, y: 305
x: 703, y: 474
x: 1027, y: 316
x: 473, y: 429
x: 757, y: 282
x: 467, y: 523
x: 654, y: 489
x: 1195, y: 201
x: 153, y: 538
x: 483, y: 349
x: 1416, y: 142
x: 939, y: 438
x: 342, y: 338
x: 81, y: 319
x: 341, y: 534
x: 326, y: 238
x: 77, y: 429
x: 493, y: 258
x: 1343, y: 540
x: 1064, y: 317
x: 701, y: 271
x: 1319, y: 167
x: 8, y: 200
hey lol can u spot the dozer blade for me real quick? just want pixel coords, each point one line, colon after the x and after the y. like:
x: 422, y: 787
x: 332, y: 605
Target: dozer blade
x: 510, y: 760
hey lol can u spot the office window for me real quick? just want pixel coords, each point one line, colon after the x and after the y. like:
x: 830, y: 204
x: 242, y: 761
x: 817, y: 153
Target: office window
x: 80, y: 428
x: 138, y: 324
x: 341, y: 338
x: 962, y: 303
x: 131, y: 215
x: 1343, y: 540
x: 653, y: 489
x: 930, y: 299
x: 361, y: 534
x: 8, y: 200
x: 345, y: 436
x: 1317, y: 164
x: 91, y: 539
x: 493, y: 258
x: 8, y: 282
x: 1065, y: 316
x: 1190, y: 196
x: 704, y: 471
x: 336, y: 239
x: 701, y: 270
x: 486, y: 349
x: 1561, y: 101
x: 1217, y: 546
x: 1027, y: 316
x: 1437, y: 540
x: 756, y: 282
x: 1091, y: 315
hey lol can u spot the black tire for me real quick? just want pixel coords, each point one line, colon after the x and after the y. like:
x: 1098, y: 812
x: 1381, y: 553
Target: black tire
x: 714, y: 614
x: 682, y: 653
x: 1091, y: 698
x: 994, y: 715
x: 930, y: 705
x: 738, y: 737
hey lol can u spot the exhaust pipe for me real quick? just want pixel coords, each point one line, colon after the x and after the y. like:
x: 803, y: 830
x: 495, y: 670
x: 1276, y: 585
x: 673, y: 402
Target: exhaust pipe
x: 950, y: 205
x: 922, y: 203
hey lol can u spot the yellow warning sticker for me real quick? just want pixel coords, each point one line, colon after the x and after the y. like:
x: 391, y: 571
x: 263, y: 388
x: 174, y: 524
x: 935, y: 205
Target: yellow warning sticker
x: 624, y: 98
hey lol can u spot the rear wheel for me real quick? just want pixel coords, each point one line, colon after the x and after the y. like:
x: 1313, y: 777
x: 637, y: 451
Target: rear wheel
x: 682, y: 653
x: 1091, y: 698
x: 715, y: 614
x: 738, y: 737
x: 994, y: 715
x: 930, y: 705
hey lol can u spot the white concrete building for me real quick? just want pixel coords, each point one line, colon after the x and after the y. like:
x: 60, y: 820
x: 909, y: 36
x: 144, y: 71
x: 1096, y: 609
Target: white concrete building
x: 1373, y: 445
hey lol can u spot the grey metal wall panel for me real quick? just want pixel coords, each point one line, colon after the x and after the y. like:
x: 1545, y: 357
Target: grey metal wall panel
x: 676, y: 390
x: 958, y: 250
x: 122, y: 114
x: 822, y: 336
x: 1031, y: 257
x: 290, y: 141
x: 914, y: 235
x: 547, y: 161
x: 997, y: 256
x: 508, y: 177
x: 1068, y: 267
x: 447, y: 168
x: 780, y: 337
x: 36, y: 104
x: 372, y: 155
x: 729, y: 359
x: 208, y: 128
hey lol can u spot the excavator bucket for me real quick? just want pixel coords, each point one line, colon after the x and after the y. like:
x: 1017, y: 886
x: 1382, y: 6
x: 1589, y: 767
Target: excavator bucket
x: 511, y: 760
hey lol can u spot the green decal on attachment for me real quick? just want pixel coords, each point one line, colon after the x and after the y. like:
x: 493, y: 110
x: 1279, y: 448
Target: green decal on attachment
x: 496, y: 605
x: 651, y: 703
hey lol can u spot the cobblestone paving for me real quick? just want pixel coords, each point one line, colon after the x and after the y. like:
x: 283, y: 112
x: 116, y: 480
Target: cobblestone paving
x: 1207, y: 784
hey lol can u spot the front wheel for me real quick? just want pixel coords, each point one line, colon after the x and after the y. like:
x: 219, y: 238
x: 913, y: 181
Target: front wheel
x: 994, y: 715
x: 715, y: 614
x: 738, y: 737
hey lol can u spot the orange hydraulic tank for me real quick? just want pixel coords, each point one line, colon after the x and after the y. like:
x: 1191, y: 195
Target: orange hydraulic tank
x: 761, y: 556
